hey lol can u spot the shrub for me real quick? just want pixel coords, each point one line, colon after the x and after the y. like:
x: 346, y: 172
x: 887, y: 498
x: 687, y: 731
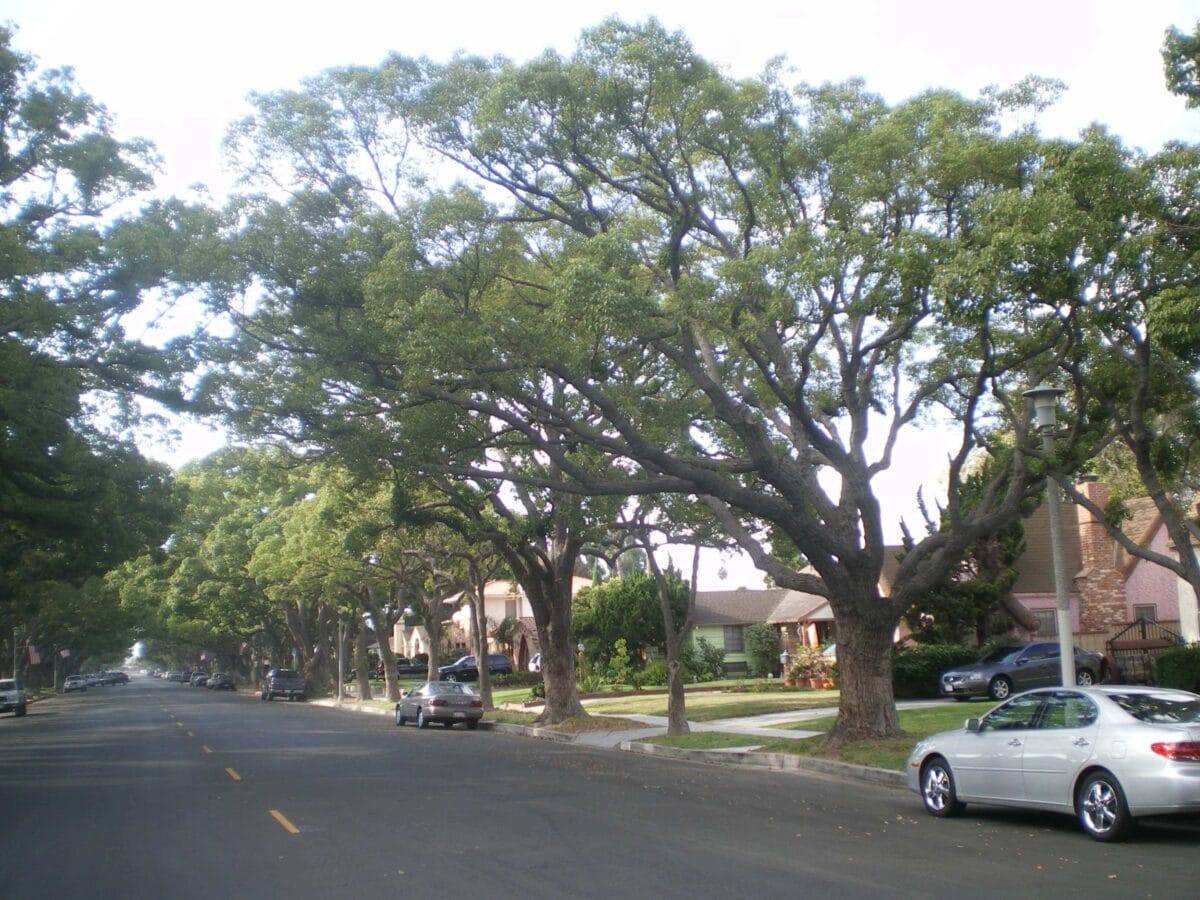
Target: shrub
x: 517, y: 679
x: 1179, y: 667
x: 702, y: 661
x: 762, y: 649
x: 654, y: 674
x: 915, y: 670
x: 807, y: 662
x: 618, y: 665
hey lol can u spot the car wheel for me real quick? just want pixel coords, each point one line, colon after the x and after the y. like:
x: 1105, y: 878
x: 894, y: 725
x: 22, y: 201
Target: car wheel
x: 1101, y: 807
x: 472, y: 724
x: 422, y: 719
x: 1084, y: 678
x: 448, y: 724
x: 450, y: 676
x: 19, y: 711
x: 399, y: 716
x: 937, y: 789
x: 1000, y: 688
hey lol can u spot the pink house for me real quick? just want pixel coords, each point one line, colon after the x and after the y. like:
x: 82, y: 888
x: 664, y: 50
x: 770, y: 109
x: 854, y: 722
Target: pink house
x: 1110, y: 588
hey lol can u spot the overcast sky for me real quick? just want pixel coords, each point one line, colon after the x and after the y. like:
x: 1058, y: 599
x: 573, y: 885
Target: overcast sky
x: 179, y: 73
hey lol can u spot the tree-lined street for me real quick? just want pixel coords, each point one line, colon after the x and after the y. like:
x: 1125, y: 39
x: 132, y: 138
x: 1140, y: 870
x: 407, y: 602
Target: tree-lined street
x: 129, y: 792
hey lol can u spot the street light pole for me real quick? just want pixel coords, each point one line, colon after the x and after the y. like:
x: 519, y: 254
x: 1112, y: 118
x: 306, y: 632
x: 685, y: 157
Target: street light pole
x: 1045, y: 402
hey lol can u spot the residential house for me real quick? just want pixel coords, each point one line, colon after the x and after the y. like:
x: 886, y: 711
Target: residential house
x: 502, y: 599
x: 1110, y: 588
x: 721, y: 618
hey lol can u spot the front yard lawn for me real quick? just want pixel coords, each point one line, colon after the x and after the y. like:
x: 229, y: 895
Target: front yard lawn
x: 889, y: 754
x: 708, y: 707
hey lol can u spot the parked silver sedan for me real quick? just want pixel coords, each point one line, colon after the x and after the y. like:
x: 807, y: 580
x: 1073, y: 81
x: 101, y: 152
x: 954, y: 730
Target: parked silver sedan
x: 1106, y: 754
x: 440, y: 701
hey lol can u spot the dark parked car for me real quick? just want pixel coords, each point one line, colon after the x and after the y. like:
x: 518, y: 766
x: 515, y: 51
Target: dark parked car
x: 465, y: 669
x: 199, y: 679
x: 283, y: 683
x: 418, y: 667
x: 219, y: 681
x: 1019, y: 667
x: 440, y: 701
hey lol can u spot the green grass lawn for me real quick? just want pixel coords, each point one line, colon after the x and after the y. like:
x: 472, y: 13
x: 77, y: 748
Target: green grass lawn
x: 707, y: 707
x: 889, y: 754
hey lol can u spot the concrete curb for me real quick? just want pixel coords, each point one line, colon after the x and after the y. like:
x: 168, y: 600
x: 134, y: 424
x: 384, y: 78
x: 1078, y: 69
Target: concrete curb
x: 778, y: 762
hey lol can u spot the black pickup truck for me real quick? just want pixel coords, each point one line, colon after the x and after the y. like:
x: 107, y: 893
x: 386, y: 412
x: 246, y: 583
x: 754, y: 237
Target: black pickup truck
x: 283, y: 683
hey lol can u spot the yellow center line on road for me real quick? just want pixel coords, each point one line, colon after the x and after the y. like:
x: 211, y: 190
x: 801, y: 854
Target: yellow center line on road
x: 178, y: 724
x: 282, y: 820
x: 232, y: 774
x: 191, y: 734
x: 206, y: 748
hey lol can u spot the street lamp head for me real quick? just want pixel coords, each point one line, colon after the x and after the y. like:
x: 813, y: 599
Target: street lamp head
x: 1045, y: 404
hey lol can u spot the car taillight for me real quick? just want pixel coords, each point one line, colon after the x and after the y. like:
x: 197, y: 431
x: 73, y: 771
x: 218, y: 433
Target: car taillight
x: 477, y: 703
x: 1185, y: 751
x: 438, y: 701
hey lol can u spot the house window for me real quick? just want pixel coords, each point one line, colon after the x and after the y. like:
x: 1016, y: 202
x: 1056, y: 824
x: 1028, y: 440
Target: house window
x: 1145, y: 612
x: 1046, y: 619
x: 510, y: 607
x: 733, y: 639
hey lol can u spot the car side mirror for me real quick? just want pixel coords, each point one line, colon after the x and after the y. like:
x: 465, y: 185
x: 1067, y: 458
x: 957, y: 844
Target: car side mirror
x: 972, y: 725
x: 404, y: 694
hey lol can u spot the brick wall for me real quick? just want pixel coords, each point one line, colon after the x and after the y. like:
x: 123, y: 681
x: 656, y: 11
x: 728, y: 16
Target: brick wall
x: 1099, y: 583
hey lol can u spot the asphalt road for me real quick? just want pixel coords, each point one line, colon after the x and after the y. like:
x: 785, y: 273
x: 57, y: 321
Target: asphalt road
x: 157, y: 790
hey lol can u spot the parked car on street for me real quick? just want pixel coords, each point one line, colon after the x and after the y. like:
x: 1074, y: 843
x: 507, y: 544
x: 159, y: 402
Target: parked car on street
x: 465, y: 669
x: 75, y: 683
x: 199, y: 679
x: 220, y: 681
x: 440, y: 701
x: 283, y: 683
x: 1019, y: 667
x: 12, y: 697
x: 1106, y: 754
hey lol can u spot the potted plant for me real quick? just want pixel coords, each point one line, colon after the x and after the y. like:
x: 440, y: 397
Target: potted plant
x: 808, y: 666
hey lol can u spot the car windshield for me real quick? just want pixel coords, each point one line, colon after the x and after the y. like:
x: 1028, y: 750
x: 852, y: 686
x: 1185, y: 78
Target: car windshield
x: 449, y: 687
x: 1001, y: 654
x: 1160, y: 708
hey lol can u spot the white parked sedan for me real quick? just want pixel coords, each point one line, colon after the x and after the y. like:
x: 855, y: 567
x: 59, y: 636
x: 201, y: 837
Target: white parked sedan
x: 1106, y: 754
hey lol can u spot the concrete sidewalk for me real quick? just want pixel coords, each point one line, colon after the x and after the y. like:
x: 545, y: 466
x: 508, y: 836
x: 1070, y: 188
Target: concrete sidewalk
x: 632, y: 740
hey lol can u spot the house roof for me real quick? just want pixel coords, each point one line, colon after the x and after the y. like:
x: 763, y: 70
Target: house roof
x: 750, y: 607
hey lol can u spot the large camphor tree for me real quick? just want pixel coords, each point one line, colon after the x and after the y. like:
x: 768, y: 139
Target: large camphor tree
x: 735, y: 290
x: 76, y: 497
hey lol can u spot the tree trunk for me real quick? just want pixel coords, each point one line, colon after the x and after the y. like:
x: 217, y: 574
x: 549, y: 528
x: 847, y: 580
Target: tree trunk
x: 363, y: 677
x: 558, y: 665
x: 865, y: 680
x: 546, y: 579
x: 479, y: 643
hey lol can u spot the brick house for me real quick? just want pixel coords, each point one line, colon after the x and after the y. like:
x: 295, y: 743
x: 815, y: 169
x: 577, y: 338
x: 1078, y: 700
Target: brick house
x: 1110, y: 588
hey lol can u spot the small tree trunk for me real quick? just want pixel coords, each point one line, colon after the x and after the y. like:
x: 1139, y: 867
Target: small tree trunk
x: 360, y: 665
x: 677, y: 722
